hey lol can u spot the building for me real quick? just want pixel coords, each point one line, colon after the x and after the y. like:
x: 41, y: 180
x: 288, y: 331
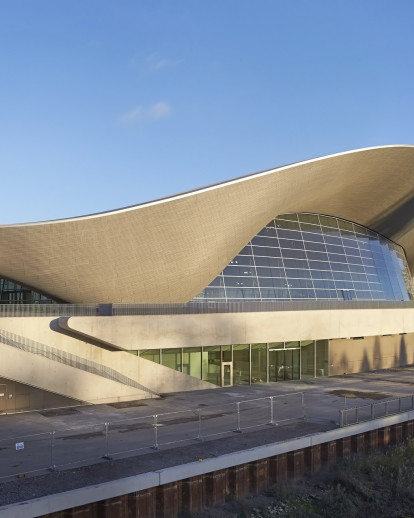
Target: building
x: 300, y: 271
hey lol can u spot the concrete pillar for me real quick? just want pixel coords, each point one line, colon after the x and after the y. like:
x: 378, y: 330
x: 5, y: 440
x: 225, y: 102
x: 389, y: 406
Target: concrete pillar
x: 168, y: 500
x: 141, y: 504
x: 112, y: 508
x: 384, y: 436
x: 215, y: 485
x: 259, y: 475
x: 371, y: 440
x: 296, y: 463
x: 192, y: 494
x: 278, y: 468
x: 313, y: 458
x: 358, y: 443
x: 238, y: 481
x: 328, y: 452
x: 396, y: 433
x: 344, y: 447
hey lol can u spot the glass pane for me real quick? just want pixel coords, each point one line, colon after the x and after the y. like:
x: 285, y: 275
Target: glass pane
x: 259, y: 363
x: 150, y: 354
x: 212, y: 364
x: 192, y: 361
x: 171, y: 358
x: 322, y: 359
x: 241, y: 364
x: 307, y: 358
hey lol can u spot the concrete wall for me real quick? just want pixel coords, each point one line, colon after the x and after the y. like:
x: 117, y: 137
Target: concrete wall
x: 39, y: 372
x: 163, y: 331
x: 371, y: 353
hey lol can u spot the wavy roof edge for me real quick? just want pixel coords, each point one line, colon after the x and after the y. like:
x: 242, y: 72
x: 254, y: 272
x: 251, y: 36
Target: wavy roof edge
x: 208, y: 187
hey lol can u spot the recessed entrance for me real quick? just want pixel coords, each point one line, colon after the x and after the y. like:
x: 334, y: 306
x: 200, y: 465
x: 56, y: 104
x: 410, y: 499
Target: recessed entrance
x: 284, y: 364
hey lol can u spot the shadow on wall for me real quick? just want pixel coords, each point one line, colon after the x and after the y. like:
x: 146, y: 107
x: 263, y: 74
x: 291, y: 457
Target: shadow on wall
x: 371, y: 353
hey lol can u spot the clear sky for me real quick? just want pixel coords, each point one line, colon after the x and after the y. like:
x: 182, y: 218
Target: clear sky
x: 109, y: 103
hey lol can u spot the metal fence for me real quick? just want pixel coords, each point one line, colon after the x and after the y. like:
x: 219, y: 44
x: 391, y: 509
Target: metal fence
x: 359, y: 414
x: 90, y: 444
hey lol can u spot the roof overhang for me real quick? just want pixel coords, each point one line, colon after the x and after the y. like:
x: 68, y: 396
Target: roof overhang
x: 169, y: 250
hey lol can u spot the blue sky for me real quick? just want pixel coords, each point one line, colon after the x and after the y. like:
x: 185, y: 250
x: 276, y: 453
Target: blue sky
x: 105, y: 104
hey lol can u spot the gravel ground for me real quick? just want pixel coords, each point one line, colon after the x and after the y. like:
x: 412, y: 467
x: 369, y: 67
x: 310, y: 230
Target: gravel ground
x: 22, y: 489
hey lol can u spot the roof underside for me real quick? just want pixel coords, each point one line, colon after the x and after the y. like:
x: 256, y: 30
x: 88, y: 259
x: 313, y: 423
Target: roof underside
x: 168, y: 251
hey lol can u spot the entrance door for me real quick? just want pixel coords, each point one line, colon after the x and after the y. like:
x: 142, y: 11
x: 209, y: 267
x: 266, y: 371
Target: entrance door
x: 284, y: 364
x: 227, y: 374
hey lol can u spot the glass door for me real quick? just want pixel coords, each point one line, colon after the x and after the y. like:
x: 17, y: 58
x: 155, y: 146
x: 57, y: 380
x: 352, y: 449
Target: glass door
x: 284, y: 364
x: 227, y: 374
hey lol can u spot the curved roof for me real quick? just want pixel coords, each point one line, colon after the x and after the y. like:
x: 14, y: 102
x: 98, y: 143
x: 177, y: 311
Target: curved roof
x: 169, y: 250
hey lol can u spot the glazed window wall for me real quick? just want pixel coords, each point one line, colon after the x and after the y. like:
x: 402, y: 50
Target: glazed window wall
x: 251, y: 363
x: 15, y: 293
x: 310, y: 256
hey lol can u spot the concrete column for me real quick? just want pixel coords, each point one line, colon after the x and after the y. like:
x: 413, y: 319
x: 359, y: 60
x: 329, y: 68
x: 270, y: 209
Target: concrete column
x: 396, y: 433
x: 215, y: 484
x: 238, y: 481
x: 192, y: 493
x: 344, y: 447
x: 371, y: 440
x: 259, y: 475
x: 358, y: 443
x: 168, y: 500
x: 141, y: 504
x: 328, y: 452
x: 313, y: 458
x: 384, y: 436
x: 278, y: 468
x: 296, y: 463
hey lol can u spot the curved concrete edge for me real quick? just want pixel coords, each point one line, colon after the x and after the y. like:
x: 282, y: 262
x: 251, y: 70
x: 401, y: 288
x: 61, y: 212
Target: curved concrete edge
x: 95, y: 493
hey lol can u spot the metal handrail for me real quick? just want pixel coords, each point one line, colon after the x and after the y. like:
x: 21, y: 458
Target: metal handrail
x: 371, y: 413
x: 33, y: 310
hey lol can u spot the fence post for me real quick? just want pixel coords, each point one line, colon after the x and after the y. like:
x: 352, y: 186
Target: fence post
x: 356, y: 414
x: 341, y: 419
x: 412, y: 402
x: 238, y: 430
x: 106, y: 456
x: 52, y: 451
x: 155, y: 425
x: 303, y: 405
x: 399, y: 404
x: 386, y: 408
x: 271, y: 411
x: 372, y: 411
x: 198, y: 438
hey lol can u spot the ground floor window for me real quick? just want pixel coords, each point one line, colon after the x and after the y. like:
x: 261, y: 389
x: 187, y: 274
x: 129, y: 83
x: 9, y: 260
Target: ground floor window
x: 239, y: 364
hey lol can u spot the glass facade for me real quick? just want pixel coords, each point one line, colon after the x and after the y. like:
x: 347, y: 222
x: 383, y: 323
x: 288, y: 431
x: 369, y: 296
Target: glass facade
x: 14, y: 293
x: 311, y: 256
x: 242, y: 364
